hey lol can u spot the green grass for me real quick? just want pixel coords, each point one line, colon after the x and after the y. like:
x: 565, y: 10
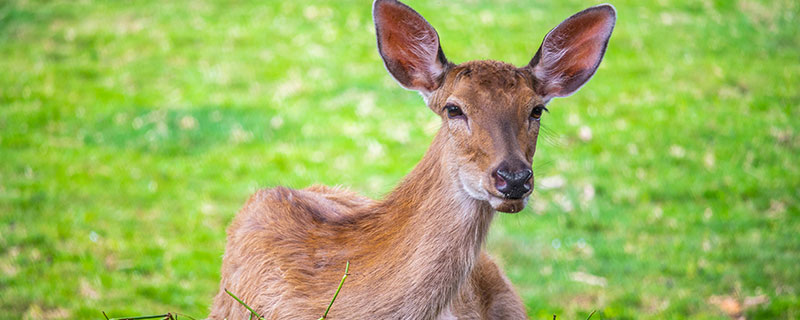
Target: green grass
x: 132, y: 132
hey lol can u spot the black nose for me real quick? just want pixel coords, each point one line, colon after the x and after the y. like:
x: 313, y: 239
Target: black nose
x: 513, y: 184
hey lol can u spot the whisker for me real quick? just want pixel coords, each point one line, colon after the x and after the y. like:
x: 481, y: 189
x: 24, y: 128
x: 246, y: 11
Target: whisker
x: 550, y: 136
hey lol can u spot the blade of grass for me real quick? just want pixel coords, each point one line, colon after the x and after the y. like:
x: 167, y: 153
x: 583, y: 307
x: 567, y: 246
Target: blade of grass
x: 159, y: 316
x: 252, y: 312
x: 346, y: 269
x: 185, y: 315
x: 170, y: 315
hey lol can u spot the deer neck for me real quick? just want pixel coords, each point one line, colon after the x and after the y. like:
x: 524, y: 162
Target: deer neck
x: 431, y: 203
x: 439, y: 230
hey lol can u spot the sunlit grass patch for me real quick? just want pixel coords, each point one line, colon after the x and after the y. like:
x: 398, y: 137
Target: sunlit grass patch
x: 130, y: 134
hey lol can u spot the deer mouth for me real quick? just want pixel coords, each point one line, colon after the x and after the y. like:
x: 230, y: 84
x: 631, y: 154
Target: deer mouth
x: 507, y: 205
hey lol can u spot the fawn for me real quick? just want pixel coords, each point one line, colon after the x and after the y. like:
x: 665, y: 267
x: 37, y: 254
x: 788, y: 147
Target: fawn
x: 417, y: 253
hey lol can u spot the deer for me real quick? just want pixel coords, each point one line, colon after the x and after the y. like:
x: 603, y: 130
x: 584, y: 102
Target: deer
x: 417, y: 253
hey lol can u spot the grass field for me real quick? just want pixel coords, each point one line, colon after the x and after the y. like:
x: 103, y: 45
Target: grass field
x: 132, y: 132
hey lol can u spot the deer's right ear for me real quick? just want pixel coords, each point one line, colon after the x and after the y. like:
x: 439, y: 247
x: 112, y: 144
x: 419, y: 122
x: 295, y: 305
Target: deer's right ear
x: 409, y: 46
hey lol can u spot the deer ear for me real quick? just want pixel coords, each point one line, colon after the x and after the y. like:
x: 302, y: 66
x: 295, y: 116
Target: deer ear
x: 572, y: 51
x: 409, y: 46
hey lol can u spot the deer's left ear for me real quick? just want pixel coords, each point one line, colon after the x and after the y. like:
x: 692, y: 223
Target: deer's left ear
x: 409, y: 46
x: 572, y: 51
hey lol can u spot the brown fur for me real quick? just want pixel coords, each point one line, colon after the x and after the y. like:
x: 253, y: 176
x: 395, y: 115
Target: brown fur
x: 287, y: 248
x: 417, y: 253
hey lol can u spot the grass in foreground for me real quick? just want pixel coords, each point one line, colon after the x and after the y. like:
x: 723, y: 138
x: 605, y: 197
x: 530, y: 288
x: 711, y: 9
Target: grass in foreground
x: 253, y: 313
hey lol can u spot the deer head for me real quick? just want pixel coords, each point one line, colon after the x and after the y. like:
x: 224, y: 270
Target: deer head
x: 491, y: 111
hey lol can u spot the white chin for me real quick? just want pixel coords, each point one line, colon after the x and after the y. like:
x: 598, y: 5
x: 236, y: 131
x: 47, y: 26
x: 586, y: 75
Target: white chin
x: 495, y: 201
x: 508, y: 205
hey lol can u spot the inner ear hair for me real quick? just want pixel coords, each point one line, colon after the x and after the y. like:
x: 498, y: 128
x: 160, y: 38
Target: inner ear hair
x: 409, y: 46
x: 571, y: 52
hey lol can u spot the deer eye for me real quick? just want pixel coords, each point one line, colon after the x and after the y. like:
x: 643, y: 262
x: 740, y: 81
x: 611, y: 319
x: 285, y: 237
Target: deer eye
x: 536, y: 113
x: 453, y: 111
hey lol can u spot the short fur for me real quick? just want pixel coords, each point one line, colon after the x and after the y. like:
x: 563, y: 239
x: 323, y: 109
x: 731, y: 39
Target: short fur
x: 417, y: 253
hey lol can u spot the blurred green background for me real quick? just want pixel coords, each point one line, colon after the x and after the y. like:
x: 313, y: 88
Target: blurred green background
x: 131, y: 132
